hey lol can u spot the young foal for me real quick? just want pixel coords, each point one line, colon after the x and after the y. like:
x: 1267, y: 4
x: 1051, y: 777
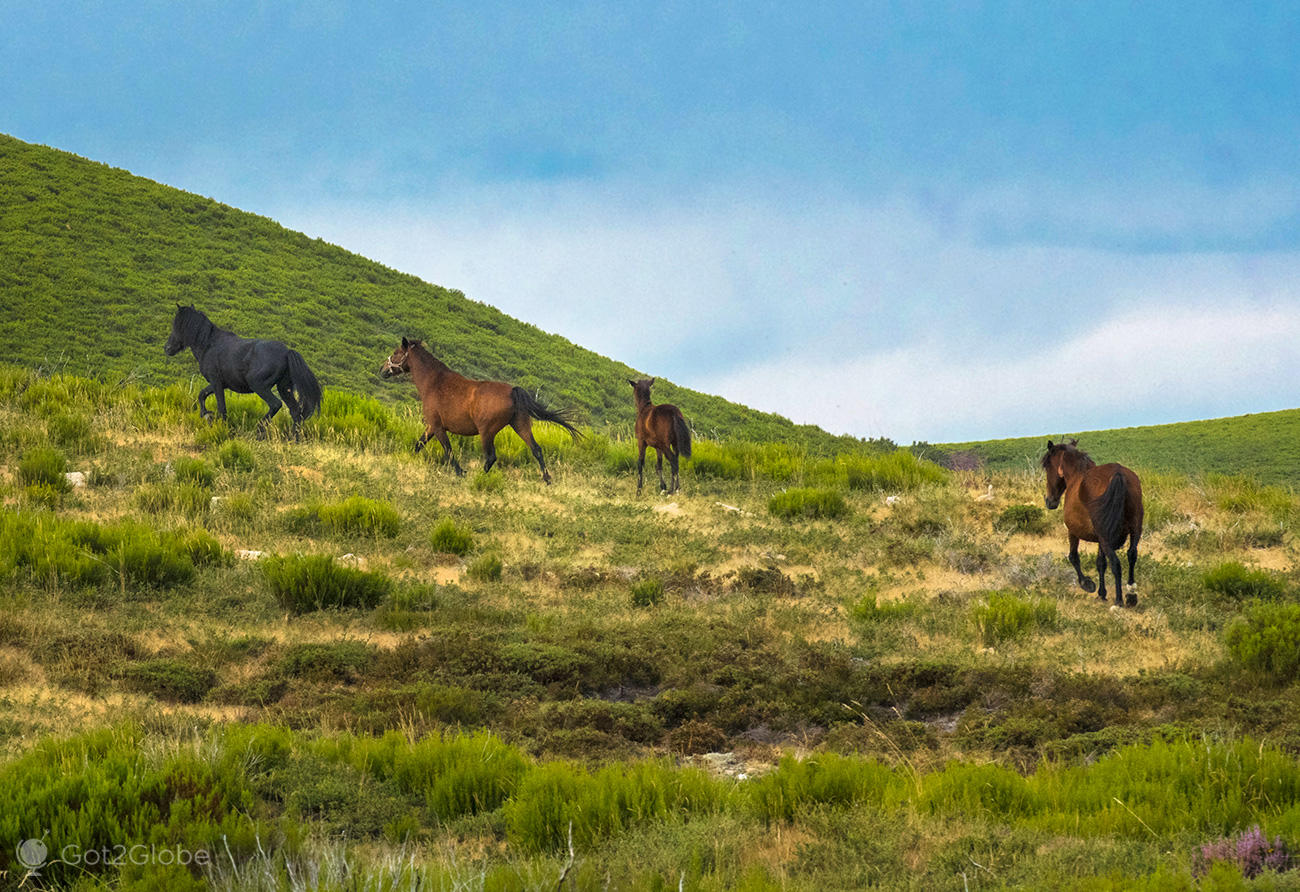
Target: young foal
x: 452, y: 403
x: 662, y: 427
x: 1103, y: 504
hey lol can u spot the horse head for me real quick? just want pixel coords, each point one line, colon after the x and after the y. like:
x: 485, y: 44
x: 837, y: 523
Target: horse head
x: 641, y: 390
x: 176, y: 341
x: 1061, y: 463
x: 399, y: 361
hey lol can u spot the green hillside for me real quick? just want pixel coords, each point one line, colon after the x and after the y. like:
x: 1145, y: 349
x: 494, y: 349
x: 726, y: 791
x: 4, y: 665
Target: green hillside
x: 1265, y: 446
x: 93, y: 261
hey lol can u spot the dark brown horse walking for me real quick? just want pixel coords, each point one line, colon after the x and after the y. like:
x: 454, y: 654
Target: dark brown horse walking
x: 455, y: 404
x: 1103, y: 504
x: 662, y: 427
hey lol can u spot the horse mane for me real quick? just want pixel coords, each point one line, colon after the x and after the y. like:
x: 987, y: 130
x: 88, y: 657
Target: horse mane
x: 196, y: 329
x: 421, y: 352
x: 1082, y: 459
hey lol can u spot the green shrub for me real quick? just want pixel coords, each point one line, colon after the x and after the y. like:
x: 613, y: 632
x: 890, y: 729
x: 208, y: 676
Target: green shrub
x: 897, y: 471
x: 1005, y: 615
x: 647, y: 593
x: 554, y: 797
x: 358, y: 515
x: 342, y: 661
x: 44, y: 466
x: 1266, y: 639
x: 486, y: 568
x: 72, y: 432
x: 868, y: 610
x: 170, y: 679
x: 236, y: 455
x: 193, y: 471
x: 1022, y: 519
x: 1233, y: 580
x: 185, y: 498
x: 824, y: 780
x: 809, y: 503
x: 302, y: 583
x: 450, y: 537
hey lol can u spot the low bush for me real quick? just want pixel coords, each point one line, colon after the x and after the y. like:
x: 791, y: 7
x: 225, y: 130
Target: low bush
x: 486, y: 568
x: 824, y: 780
x: 1005, y: 615
x: 1233, y: 580
x: 1022, y: 519
x: 236, y: 455
x: 868, y: 610
x: 44, y: 466
x: 170, y: 679
x: 808, y: 503
x: 343, y: 661
x: 358, y: 515
x: 1251, y: 852
x: 1266, y: 639
x: 302, y: 583
x: 450, y: 537
x: 194, y: 471
x: 647, y: 593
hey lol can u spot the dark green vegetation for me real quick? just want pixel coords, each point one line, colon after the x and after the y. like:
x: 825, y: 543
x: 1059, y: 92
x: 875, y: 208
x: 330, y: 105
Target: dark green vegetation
x: 424, y: 678
x: 1262, y: 447
x: 95, y: 261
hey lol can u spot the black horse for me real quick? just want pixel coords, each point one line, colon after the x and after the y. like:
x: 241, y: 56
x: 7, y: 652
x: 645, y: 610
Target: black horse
x: 244, y: 365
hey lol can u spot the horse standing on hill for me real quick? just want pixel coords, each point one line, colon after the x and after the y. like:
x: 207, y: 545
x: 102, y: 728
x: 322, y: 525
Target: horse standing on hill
x: 662, y: 427
x: 245, y: 365
x: 452, y: 403
x: 1103, y: 504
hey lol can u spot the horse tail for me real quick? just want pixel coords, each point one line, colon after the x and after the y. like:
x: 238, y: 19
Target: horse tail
x: 305, y: 384
x: 529, y: 405
x: 1108, y: 512
x: 681, y: 435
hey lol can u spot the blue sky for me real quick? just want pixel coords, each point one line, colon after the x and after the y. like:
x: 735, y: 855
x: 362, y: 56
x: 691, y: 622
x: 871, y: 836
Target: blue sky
x: 933, y: 221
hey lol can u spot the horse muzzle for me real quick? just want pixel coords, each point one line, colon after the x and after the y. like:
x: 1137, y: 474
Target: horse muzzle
x: 171, y: 348
x: 1052, y: 503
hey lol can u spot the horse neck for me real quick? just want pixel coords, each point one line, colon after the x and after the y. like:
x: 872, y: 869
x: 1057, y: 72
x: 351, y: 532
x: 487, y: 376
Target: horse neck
x: 643, y: 403
x: 425, y: 367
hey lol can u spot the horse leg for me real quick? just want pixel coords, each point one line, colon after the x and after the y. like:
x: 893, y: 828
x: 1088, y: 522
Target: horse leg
x: 446, y: 448
x: 1131, y: 593
x: 272, y: 406
x: 489, y: 444
x: 640, y: 466
x: 1084, y: 582
x: 424, y: 438
x: 1112, y: 558
x: 1101, y: 572
x: 659, y: 466
x: 203, y: 401
x: 524, y: 428
x: 672, y: 463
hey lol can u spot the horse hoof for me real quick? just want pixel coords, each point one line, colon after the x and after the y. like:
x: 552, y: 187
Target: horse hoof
x: 1131, y: 595
x: 546, y: 478
x: 1088, y: 585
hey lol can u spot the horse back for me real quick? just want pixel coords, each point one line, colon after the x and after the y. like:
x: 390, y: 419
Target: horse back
x: 656, y: 425
x: 1097, y: 487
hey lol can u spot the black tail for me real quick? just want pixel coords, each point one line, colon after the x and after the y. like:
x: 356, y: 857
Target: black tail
x: 1108, y: 512
x: 304, y: 384
x: 682, y: 436
x: 527, y: 403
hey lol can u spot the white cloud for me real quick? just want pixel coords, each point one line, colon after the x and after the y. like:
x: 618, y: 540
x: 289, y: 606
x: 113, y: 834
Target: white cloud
x: 1157, y: 364
x: 764, y: 297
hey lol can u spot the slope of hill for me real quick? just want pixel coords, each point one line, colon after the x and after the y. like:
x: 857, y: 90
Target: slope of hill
x: 1265, y: 446
x: 95, y: 259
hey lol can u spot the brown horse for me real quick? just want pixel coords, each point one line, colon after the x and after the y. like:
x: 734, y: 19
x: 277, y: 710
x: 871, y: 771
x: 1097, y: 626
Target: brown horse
x: 1103, y: 504
x: 662, y: 427
x: 455, y: 404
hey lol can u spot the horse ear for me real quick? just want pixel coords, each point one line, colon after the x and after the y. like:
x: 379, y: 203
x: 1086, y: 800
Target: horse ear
x: 1074, y: 441
x: 406, y: 344
x: 630, y: 381
x: 652, y: 382
x: 1050, y: 444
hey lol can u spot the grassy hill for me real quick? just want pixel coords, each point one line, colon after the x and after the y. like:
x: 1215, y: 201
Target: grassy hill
x: 796, y: 675
x: 1265, y: 446
x: 93, y: 261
